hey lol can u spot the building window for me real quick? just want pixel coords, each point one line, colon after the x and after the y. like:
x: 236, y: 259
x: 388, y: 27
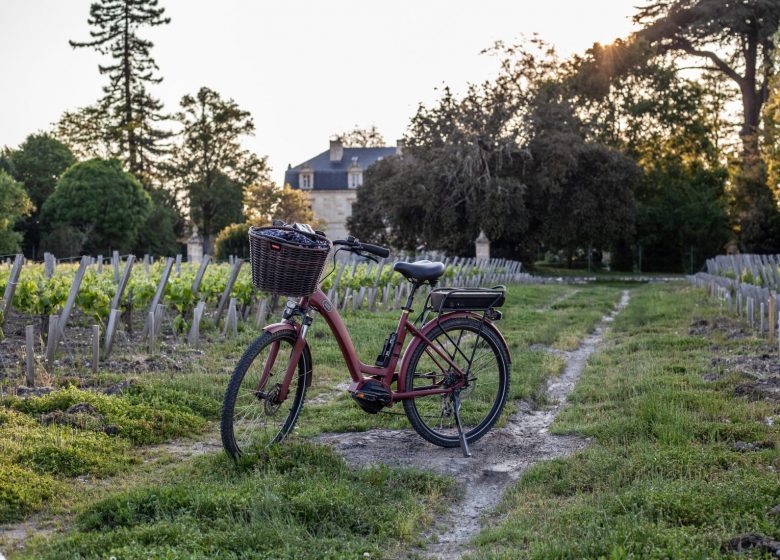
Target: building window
x: 307, y: 180
x: 355, y: 179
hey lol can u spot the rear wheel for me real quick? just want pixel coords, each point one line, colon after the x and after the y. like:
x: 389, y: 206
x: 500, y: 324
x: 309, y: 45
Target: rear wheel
x: 479, y: 354
x: 252, y: 415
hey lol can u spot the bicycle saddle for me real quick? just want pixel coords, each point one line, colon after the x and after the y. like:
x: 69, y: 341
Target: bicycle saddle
x: 421, y: 271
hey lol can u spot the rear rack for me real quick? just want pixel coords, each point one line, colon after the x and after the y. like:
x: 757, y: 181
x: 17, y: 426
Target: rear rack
x: 443, y: 300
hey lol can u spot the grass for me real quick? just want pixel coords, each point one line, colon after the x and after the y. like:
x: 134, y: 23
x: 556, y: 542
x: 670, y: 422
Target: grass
x: 298, y: 501
x: 662, y: 478
x: 279, y: 505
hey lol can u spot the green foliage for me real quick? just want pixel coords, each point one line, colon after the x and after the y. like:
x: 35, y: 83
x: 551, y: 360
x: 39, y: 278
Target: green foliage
x: 661, y: 478
x: 138, y: 422
x: 233, y: 240
x: 681, y: 207
x: 14, y: 204
x: 298, y: 501
x: 158, y: 235
x: 38, y: 163
x: 127, y: 116
x: 23, y: 491
x: 265, y: 202
x: 214, y: 166
x: 102, y: 201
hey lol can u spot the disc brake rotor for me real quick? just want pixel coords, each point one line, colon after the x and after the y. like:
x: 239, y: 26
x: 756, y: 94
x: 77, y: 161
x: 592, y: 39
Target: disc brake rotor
x: 271, y: 406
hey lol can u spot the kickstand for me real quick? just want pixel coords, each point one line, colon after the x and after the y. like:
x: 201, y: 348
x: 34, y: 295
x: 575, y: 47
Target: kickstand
x: 464, y: 445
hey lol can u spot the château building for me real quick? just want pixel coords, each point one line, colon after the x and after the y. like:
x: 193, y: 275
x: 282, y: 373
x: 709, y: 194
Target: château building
x: 332, y: 179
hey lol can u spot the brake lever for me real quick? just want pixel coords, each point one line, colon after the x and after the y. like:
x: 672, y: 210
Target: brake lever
x: 367, y: 256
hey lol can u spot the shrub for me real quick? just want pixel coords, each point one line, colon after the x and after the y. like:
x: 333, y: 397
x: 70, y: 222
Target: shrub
x: 233, y: 240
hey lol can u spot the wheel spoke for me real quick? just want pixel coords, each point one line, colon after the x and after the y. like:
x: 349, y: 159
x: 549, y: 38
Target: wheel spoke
x: 254, y: 417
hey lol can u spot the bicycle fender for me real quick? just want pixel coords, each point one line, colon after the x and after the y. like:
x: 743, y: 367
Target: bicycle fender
x: 432, y: 324
x: 284, y: 326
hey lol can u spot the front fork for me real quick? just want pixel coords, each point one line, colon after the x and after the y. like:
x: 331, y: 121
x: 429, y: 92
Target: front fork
x: 291, y: 310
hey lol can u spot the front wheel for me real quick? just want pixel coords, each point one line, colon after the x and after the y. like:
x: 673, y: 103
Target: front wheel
x: 479, y: 354
x: 252, y: 414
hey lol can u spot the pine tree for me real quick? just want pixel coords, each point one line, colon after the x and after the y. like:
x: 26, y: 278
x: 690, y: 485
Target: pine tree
x: 133, y: 112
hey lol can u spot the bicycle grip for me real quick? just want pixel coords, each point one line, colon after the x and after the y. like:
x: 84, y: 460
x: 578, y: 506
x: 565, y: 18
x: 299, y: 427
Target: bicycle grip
x: 377, y: 250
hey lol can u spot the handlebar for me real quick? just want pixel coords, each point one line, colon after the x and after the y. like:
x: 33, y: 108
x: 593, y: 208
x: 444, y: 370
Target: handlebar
x: 350, y: 242
x: 354, y: 244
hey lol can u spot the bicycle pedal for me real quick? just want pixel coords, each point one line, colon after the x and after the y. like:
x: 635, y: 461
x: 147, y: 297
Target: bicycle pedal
x: 371, y: 396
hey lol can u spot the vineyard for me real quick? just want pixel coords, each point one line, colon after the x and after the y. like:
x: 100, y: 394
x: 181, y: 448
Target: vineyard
x: 82, y: 310
x: 748, y: 286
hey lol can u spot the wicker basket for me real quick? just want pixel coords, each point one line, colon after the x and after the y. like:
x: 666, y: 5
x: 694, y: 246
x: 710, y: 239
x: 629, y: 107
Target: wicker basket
x: 285, y: 267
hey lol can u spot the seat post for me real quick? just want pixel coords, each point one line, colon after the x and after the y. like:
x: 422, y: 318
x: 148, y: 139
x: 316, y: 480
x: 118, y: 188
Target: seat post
x: 410, y: 299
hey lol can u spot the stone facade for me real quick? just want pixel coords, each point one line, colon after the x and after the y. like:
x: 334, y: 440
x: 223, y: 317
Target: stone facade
x: 333, y: 208
x: 332, y: 179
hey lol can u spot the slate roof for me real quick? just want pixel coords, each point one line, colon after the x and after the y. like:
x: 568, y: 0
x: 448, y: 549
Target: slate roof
x: 332, y: 175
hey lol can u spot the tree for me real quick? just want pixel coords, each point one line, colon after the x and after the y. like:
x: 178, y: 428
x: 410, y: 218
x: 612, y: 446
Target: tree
x: 265, y: 202
x: 38, y: 164
x: 127, y: 103
x: 100, y: 200
x: 214, y: 166
x: 14, y: 204
x: 89, y: 133
x: 734, y: 40
x: 363, y: 137
x: 232, y: 240
x: 744, y: 30
x: 465, y: 168
x: 595, y: 205
x: 215, y: 205
x: 164, y: 225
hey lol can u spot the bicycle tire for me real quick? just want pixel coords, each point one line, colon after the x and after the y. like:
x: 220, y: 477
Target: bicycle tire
x: 280, y: 426
x: 421, y: 411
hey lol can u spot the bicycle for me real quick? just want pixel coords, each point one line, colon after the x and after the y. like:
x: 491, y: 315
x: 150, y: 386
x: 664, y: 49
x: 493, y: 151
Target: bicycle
x: 452, y: 378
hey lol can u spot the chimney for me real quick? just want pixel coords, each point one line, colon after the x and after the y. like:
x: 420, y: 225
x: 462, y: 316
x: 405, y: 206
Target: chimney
x: 399, y: 147
x: 336, y: 150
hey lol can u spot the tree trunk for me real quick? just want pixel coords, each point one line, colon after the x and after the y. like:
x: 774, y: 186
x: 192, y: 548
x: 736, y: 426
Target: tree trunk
x: 127, y: 71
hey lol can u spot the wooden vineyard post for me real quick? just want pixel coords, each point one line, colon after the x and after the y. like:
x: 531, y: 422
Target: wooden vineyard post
x: 193, y: 338
x: 225, y: 299
x: 95, y: 348
x: 10, y: 288
x: 231, y: 321
x: 262, y: 313
x: 199, y: 276
x: 347, y: 296
x: 160, y: 293
x: 122, y: 282
x: 60, y: 323
x: 51, y: 340
x: 113, y: 317
x: 178, y: 264
x: 761, y: 310
x: 150, y: 331
x: 29, y: 335
x: 772, y: 317
x: 113, y: 322
x: 48, y: 265
x: 115, y: 263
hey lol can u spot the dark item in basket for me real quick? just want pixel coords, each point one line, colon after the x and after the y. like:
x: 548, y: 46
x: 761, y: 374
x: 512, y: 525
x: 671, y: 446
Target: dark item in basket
x: 286, y: 261
x: 449, y: 299
x: 293, y: 236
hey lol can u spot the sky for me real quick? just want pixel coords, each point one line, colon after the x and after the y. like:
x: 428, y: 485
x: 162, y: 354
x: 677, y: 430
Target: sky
x: 305, y: 69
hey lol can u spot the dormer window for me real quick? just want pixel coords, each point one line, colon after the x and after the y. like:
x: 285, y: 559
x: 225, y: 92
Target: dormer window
x: 355, y: 179
x: 306, y: 178
x: 355, y: 176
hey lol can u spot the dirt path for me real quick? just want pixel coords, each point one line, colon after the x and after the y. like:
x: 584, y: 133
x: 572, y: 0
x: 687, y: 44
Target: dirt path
x: 498, y: 459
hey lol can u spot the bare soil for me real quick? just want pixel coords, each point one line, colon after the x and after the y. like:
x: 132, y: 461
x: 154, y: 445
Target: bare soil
x: 499, y: 458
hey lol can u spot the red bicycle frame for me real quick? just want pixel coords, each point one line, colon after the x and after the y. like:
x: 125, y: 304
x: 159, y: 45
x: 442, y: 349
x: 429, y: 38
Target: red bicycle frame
x: 359, y: 371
